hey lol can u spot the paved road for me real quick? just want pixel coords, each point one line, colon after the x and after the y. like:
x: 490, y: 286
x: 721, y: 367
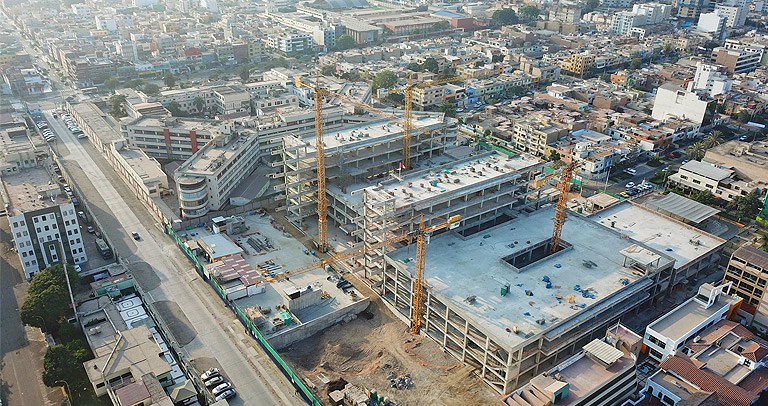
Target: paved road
x: 218, y: 334
x: 21, y: 349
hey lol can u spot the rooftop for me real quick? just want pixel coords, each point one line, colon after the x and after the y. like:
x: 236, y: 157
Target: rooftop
x: 216, y: 153
x: 176, y: 123
x: 676, y: 239
x: 593, y: 246
x: 706, y: 170
x: 98, y: 121
x: 146, y: 167
x: 135, y: 351
x: 753, y: 256
x: 683, y: 207
x: 32, y: 189
x: 418, y: 186
x: 683, y: 319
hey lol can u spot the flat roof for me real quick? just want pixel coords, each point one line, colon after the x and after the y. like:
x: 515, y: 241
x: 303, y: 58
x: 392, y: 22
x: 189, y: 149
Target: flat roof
x: 753, y: 256
x: 97, y: 120
x: 32, y: 189
x: 706, y: 170
x: 143, y: 165
x: 174, y: 123
x: 219, y: 245
x: 687, y: 316
x: 211, y: 157
x: 659, y: 232
x: 585, y: 375
x: 683, y: 207
x: 137, y: 351
x: 458, y: 268
x: 417, y: 186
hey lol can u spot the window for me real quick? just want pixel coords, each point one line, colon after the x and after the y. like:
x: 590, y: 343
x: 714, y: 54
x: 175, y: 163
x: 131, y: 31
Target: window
x: 15, y: 224
x: 44, y: 218
x: 47, y: 228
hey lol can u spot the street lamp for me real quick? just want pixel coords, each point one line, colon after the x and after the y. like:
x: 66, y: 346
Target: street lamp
x: 69, y: 394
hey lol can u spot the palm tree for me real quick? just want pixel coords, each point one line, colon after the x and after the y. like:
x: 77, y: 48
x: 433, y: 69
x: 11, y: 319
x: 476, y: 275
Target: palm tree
x: 714, y: 139
x: 199, y: 104
x: 697, y: 151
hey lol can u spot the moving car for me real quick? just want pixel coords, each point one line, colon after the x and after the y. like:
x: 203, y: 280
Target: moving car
x: 91, y: 230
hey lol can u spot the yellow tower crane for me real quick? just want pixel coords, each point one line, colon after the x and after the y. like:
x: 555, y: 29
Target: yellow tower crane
x: 560, y: 208
x: 408, y: 116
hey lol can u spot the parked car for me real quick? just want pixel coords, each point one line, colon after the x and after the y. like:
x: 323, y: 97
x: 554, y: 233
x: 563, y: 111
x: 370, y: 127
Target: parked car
x: 209, y: 374
x: 630, y: 185
x: 228, y: 394
x: 221, y: 388
x: 136, y: 236
x: 630, y: 171
x: 214, y: 381
x: 624, y: 195
x: 91, y: 230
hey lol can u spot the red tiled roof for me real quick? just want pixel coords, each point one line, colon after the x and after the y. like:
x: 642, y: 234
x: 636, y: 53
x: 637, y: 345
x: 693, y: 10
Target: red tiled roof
x: 718, y: 331
x: 727, y: 393
x: 754, y: 352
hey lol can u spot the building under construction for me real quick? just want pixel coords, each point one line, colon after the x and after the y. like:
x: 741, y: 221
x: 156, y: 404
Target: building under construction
x: 498, y: 300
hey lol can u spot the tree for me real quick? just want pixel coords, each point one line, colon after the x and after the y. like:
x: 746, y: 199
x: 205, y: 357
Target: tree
x: 714, y: 139
x: 175, y: 109
x: 697, y: 150
x: 554, y: 156
x: 111, y: 84
x: 328, y: 70
x: 199, y: 104
x: 169, y: 80
x: 244, y: 72
x: 441, y: 26
x: 47, y: 301
x: 529, y: 13
x: 743, y: 116
x: 591, y: 5
x: 62, y: 362
x: 384, y: 80
x: 431, y: 65
x: 636, y: 63
x: 505, y: 16
x: 135, y: 84
x: 447, y: 108
x: 345, y: 42
x: 515, y: 91
x: 745, y: 206
x: 396, y: 98
x: 703, y: 197
x: 116, y: 105
x: 151, y: 89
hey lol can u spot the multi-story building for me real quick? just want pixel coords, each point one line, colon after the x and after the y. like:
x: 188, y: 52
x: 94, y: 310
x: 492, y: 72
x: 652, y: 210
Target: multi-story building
x: 735, y: 12
x: 673, y: 101
x: 721, y: 182
x: 723, y: 365
x: 654, y: 13
x: 603, y: 373
x: 290, y: 43
x: 206, y: 180
x: 713, y: 23
x: 170, y: 137
x: 578, y: 64
x: 666, y: 336
x: 541, y: 72
x: 565, y: 14
x: 691, y: 9
x: 738, y: 57
x: 89, y: 71
x: 748, y: 271
x: 749, y: 160
x: 44, y: 225
x: 711, y: 78
x: 534, y: 134
x: 215, y: 99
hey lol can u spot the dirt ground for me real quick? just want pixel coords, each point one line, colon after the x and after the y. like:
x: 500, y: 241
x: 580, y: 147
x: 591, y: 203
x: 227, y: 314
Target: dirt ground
x: 376, y: 347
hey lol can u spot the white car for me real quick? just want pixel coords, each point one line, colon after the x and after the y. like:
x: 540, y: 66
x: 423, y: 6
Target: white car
x: 221, y: 388
x: 630, y: 185
x: 212, y: 382
x: 209, y: 374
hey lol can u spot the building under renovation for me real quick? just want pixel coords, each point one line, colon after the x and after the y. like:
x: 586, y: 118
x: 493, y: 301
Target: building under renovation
x: 496, y: 299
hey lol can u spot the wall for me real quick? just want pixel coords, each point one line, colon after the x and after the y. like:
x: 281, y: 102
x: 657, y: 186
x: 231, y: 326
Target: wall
x: 305, y: 330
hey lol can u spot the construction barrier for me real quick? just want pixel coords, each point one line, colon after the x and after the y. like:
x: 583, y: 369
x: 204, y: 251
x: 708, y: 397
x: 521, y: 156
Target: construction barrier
x: 295, y: 380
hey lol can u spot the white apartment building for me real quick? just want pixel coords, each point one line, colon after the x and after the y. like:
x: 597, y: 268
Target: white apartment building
x: 673, y: 101
x: 654, y: 13
x: 169, y: 137
x: 665, y: 336
x: 713, y: 23
x: 721, y: 182
x: 711, y: 78
x: 624, y: 21
x: 291, y: 43
x: 216, y: 99
x: 43, y: 221
x: 735, y: 12
x: 205, y: 181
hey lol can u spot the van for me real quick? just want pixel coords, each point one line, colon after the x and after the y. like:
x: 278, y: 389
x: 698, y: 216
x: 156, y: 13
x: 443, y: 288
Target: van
x: 630, y: 171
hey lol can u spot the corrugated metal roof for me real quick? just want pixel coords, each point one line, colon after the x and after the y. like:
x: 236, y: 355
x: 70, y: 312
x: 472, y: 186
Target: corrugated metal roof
x: 684, y: 207
x: 707, y: 170
x: 603, y: 351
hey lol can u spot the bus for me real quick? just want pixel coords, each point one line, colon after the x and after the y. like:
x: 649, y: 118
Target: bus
x: 89, y: 90
x: 104, y: 249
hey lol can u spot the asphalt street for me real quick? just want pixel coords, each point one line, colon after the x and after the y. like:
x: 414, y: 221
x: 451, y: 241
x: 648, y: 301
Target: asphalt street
x: 217, y: 334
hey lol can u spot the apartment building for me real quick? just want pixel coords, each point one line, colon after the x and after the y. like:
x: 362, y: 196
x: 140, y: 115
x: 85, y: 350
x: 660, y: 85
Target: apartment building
x: 712, y: 23
x: 735, y: 12
x: 540, y: 72
x: 602, y: 373
x: 748, y: 271
x: 724, y: 366
x: 578, y: 64
x: 723, y: 183
x: 170, y: 137
x: 673, y: 101
x: 534, y: 134
x: 44, y: 225
x: 654, y: 13
x: 692, y: 9
x: 738, y: 57
x: 215, y: 99
x: 624, y: 21
x: 206, y: 180
x: 290, y: 43
x: 666, y: 336
x: 712, y: 79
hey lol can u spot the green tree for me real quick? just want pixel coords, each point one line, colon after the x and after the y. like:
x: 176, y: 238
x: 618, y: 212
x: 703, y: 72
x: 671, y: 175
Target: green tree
x: 151, y: 89
x: 47, y: 301
x: 697, y: 150
x: 714, y: 139
x: 62, y: 362
x: 743, y: 116
x: 505, y: 16
x: 169, y: 80
x: 135, y: 84
x: 396, y: 98
x: 441, y: 26
x: 529, y: 13
x: 515, y: 91
x: 591, y: 5
x: 703, y: 197
x: 384, y: 80
x: 116, y: 104
x: 746, y: 207
x: 175, y: 109
x: 635, y: 63
x: 447, y: 108
x: 244, y: 72
x: 328, y: 70
x: 199, y: 104
x: 554, y: 156
x: 431, y: 65
x: 345, y: 42
x: 111, y: 84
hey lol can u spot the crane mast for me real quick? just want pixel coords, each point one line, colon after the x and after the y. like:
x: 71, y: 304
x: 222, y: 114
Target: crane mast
x: 560, y: 208
x: 322, y: 202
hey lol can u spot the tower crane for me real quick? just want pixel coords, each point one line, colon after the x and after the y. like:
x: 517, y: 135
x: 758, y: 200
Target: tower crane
x: 560, y: 208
